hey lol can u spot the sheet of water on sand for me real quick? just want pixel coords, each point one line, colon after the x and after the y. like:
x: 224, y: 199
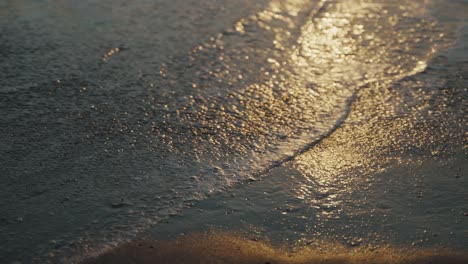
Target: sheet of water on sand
x: 116, y: 116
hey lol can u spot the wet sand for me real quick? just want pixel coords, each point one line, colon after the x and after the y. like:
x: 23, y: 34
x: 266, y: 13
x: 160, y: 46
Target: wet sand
x: 415, y: 170
x: 114, y: 142
x: 231, y: 248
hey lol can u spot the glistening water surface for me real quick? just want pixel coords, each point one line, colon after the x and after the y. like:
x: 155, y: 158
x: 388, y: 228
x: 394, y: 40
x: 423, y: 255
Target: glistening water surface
x: 117, y: 116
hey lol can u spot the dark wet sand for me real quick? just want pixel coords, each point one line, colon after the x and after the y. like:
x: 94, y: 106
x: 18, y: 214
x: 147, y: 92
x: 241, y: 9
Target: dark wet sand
x: 232, y: 248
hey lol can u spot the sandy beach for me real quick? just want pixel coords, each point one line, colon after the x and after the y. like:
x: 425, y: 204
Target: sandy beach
x: 231, y: 248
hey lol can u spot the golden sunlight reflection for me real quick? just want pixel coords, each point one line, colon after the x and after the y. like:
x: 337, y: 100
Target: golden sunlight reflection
x: 376, y: 135
x: 297, y: 88
x: 290, y: 116
x: 351, y: 44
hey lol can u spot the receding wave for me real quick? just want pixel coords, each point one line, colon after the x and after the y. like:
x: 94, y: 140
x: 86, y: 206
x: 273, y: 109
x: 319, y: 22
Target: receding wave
x: 258, y: 94
x: 248, y: 99
x: 269, y: 88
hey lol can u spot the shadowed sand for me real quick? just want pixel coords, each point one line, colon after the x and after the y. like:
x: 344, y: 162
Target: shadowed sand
x: 231, y: 248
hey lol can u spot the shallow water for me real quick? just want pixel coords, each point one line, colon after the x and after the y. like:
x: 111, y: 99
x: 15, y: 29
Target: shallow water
x: 115, y: 117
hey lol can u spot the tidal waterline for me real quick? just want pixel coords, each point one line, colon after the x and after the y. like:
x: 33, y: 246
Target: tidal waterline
x: 231, y: 248
x: 133, y: 127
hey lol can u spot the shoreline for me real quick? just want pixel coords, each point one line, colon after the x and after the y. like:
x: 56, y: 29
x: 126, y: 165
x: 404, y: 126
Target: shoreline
x: 225, y: 247
x: 434, y: 164
x: 231, y: 248
x: 386, y: 186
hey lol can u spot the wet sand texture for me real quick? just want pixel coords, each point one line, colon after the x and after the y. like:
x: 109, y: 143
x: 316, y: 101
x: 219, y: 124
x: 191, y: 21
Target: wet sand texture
x: 228, y: 248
